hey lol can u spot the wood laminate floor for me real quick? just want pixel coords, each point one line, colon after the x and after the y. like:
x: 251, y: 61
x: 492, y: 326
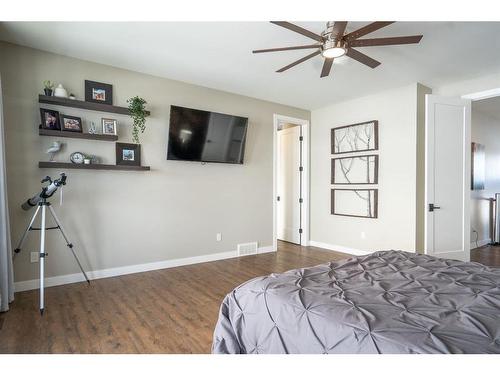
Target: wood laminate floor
x: 166, y: 311
x: 487, y: 255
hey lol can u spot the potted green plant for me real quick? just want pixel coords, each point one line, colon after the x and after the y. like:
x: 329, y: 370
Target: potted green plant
x: 48, y: 86
x: 137, y: 109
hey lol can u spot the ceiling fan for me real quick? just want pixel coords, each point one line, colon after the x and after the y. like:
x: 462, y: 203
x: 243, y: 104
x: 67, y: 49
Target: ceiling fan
x: 333, y: 43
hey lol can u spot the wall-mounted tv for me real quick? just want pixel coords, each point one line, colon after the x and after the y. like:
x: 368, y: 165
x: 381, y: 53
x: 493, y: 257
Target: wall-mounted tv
x: 203, y: 136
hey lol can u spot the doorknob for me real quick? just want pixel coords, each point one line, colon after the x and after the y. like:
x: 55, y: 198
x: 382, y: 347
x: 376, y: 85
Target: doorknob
x: 433, y: 207
x: 278, y: 198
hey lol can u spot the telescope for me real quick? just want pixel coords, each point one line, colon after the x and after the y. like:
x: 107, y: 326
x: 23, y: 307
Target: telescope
x: 47, y: 191
x: 40, y: 200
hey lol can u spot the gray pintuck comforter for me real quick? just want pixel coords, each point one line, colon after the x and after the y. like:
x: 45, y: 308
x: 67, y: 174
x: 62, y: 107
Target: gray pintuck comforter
x: 385, y: 302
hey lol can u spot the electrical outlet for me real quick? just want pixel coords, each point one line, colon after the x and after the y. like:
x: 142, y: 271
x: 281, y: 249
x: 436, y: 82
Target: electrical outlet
x: 363, y: 235
x: 219, y: 237
x: 34, y: 257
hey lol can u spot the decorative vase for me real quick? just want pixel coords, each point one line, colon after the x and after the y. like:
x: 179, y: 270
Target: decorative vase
x: 92, y: 128
x: 48, y: 92
x: 60, y: 91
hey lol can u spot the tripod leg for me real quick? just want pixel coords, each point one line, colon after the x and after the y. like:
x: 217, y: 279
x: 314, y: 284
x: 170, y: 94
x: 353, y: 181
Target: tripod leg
x: 25, y: 234
x: 68, y: 243
x: 42, y: 260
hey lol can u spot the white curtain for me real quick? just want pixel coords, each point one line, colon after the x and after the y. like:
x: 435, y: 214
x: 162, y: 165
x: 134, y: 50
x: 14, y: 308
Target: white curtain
x: 6, y: 272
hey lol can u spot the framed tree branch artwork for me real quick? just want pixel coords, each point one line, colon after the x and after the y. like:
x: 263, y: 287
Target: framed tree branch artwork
x: 355, y: 138
x: 357, y: 170
x: 355, y: 202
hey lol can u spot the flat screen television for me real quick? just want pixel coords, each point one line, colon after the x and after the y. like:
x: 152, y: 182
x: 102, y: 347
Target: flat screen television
x: 203, y: 136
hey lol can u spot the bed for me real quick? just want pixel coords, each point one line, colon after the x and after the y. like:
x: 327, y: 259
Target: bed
x: 385, y: 302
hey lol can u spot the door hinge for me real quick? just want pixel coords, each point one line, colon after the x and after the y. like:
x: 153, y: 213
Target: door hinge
x: 301, y: 138
x: 301, y: 169
x: 300, y: 230
x: 301, y: 200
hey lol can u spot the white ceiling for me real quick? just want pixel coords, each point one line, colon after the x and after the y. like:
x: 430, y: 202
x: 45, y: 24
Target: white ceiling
x: 218, y: 55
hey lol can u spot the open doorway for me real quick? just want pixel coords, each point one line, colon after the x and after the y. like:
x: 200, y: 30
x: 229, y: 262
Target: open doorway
x: 485, y: 181
x: 291, y: 180
x: 462, y: 179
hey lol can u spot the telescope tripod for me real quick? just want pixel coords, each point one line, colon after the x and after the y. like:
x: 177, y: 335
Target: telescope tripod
x: 43, y: 205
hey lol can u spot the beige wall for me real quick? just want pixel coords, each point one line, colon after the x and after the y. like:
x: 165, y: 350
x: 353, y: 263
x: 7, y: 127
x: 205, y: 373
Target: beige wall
x: 421, y: 211
x: 395, y: 228
x: 126, y: 218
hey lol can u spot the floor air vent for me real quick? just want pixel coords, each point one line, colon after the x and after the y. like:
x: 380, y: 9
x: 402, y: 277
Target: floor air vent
x: 249, y: 248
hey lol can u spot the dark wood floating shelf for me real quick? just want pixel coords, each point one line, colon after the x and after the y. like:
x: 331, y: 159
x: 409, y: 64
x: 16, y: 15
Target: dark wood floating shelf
x: 58, y: 165
x: 64, y: 134
x: 54, y: 100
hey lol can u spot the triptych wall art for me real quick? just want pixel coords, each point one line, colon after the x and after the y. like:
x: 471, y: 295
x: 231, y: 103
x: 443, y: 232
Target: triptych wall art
x: 358, y: 165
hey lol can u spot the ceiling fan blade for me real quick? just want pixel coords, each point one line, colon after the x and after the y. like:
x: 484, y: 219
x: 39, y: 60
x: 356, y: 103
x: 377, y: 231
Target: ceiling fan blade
x: 327, y: 66
x: 386, y: 41
x: 374, y: 26
x: 298, y: 29
x: 338, y: 29
x: 362, y: 58
x: 287, y: 48
x: 315, y: 53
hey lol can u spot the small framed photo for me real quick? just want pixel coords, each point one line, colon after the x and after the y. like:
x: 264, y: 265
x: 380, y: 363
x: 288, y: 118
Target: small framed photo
x: 71, y: 124
x: 128, y: 154
x: 98, y: 92
x: 50, y: 119
x: 108, y: 126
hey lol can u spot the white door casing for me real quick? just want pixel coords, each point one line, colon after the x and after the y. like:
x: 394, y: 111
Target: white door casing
x: 447, y: 173
x: 288, y: 185
x: 304, y: 124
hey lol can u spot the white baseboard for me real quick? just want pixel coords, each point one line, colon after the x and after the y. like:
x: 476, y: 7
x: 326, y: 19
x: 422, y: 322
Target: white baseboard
x: 118, y: 271
x: 480, y: 243
x: 341, y: 249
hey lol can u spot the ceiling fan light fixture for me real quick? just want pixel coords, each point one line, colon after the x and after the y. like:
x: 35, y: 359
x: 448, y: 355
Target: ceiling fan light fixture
x: 332, y: 49
x: 333, y: 52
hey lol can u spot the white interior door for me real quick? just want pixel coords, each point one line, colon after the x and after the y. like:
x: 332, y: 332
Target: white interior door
x: 288, y: 185
x: 447, y: 162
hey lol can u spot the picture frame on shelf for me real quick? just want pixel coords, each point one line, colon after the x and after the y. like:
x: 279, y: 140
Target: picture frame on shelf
x: 109, y: 126
x: 50, y: 119
x: 128, y: 154
x: 71, y: 124
x: 98, y: 92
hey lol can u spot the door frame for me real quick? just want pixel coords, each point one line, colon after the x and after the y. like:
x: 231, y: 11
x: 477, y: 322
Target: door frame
x: 304, y: 220
x: 480, y: 95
